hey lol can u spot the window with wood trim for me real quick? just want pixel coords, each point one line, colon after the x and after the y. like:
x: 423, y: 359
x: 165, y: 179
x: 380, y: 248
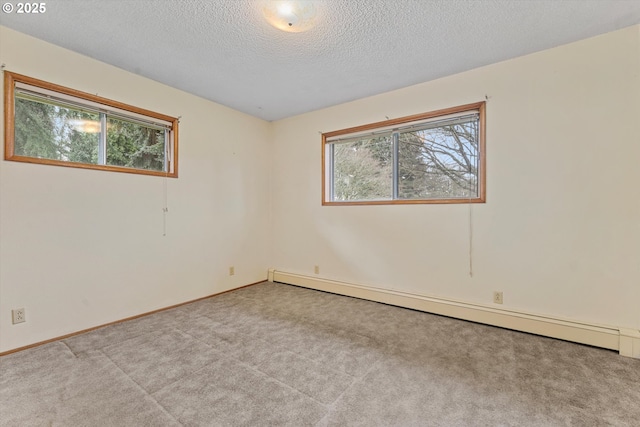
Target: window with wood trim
x: 54, y: 125
x: 435, y: 157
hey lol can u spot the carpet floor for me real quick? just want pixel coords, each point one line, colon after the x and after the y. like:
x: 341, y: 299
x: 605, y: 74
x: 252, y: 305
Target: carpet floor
x: 277, y: 355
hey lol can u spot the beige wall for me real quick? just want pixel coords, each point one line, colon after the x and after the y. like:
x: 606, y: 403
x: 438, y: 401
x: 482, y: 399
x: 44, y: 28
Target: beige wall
x: 81, y: 248
x: 560, y: 232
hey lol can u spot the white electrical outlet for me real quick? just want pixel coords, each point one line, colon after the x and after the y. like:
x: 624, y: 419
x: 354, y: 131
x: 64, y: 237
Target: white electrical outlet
x: 316, y: 269
x: 497, y: 297
x: 232, y: 271
x: 18, y: 315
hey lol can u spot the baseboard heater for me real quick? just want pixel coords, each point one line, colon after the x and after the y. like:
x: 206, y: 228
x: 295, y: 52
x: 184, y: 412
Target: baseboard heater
x: 624, y: 340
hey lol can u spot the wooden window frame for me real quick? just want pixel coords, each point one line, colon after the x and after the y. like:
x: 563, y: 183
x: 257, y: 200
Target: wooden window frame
x: 10, y: 80
x: 481, y: 198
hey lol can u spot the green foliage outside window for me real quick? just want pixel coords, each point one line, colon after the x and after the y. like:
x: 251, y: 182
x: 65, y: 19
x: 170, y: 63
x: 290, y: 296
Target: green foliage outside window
x: 134, y: 146
x: 51, y: 131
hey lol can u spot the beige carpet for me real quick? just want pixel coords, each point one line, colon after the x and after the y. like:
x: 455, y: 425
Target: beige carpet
x: 275, y: 355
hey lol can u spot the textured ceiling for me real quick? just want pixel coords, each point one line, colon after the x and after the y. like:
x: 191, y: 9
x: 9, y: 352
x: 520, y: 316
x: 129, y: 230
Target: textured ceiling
x: 224, y: 50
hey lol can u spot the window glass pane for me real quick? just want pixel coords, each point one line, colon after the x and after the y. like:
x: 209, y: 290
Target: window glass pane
x: 439, y: 163
x: 362, y: 170
x: 49, y: 131
x: 434, y: 157
x: 134, y: 145
x: 59, y: 126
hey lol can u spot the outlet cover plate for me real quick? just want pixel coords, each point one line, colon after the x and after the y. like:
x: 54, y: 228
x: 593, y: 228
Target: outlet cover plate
x: 18, y: 316
x: 497, y: 298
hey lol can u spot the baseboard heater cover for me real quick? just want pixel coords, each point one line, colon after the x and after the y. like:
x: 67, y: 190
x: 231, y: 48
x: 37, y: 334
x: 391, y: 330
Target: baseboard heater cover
x: 624, y: 340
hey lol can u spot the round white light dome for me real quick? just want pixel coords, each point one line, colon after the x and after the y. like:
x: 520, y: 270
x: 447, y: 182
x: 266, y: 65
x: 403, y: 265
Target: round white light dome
x: 294, y: 16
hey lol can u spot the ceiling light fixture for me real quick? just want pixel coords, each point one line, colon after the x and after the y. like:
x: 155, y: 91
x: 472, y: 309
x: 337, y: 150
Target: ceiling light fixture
x: 294, y: 16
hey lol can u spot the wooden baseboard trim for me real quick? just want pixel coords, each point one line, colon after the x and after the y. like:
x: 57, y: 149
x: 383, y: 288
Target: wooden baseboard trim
x: 137, y: 316
x: 626, y: 341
